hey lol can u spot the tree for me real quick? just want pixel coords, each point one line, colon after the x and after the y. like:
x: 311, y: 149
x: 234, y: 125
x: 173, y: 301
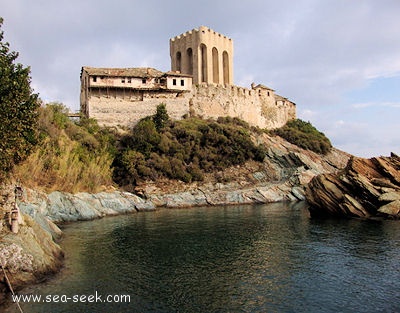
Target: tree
x: 145, y: 137
x: 18, y: 109
x: 161, y: 117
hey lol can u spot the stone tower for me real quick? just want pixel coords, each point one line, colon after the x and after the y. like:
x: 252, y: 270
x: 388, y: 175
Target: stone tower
x: 205, y: 54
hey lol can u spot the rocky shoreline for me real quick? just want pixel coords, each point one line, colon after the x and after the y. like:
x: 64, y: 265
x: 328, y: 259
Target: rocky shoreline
x: 27, y: 257
x: 282, y: 176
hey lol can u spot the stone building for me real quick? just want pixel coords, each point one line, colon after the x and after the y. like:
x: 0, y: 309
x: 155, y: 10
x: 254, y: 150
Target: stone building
x: 122, y: 96
x: 200, y: 83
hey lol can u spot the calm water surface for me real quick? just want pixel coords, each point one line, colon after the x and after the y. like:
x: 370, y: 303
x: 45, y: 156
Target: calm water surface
x: 263, y: 258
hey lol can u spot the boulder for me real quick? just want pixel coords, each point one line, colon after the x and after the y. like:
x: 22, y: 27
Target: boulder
x: 366, y: 188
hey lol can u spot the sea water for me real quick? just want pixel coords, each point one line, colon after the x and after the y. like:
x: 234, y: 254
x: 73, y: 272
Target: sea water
x: 253, y: 258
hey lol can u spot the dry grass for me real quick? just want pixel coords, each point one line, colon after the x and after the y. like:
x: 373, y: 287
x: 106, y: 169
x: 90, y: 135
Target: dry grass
x: 64, y: 166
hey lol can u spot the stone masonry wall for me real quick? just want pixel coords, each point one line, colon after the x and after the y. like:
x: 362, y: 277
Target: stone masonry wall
x: 126, y: 112
x: 205, y: 100
x: 252, y: 106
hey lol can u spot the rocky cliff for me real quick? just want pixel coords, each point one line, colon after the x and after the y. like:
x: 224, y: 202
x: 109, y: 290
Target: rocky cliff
x: 366, y: 188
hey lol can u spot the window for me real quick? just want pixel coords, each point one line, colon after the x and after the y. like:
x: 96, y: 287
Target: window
x: 129, y: 80
x: 143, y: 80
x: 174, y: 82
x: 94, y: 79
x: 123, y: 80
x: 182, y: 82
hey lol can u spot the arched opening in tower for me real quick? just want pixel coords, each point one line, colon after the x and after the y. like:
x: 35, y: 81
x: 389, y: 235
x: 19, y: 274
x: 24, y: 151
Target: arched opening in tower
x: 179, y: 61
x: 203, y: 51
x: 225, y: 63
x: 189, y: 53
x: 215, y: 66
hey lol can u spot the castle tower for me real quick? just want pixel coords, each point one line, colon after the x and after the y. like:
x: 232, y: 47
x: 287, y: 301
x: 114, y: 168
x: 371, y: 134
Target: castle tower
x: 205, y: 54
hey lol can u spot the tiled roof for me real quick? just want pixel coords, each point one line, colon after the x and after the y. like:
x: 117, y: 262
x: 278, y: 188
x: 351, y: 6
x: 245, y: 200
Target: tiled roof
x: 278, y: 97
x: 178, y: 74
x: 260, y: 86
x: 142, y: 72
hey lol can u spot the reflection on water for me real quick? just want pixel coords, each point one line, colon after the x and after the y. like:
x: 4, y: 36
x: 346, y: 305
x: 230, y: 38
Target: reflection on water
x: 264, y: 258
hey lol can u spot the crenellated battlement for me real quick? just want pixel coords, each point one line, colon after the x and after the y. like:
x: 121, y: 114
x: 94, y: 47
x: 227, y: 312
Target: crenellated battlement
x: 204, y: 54
x: 198, y: 30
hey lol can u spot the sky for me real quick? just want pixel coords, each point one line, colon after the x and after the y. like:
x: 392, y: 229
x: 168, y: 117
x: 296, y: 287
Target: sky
x: 338, y: 60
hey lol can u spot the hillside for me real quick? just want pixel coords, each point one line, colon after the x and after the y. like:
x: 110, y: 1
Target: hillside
x: 282, y: 176
x: 161, y: 155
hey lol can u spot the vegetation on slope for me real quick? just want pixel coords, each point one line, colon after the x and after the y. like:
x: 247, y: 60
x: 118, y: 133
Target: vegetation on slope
x: 304, y: 135
x: 81, y: 156
x: 71, y: 156
x: 183, y: 149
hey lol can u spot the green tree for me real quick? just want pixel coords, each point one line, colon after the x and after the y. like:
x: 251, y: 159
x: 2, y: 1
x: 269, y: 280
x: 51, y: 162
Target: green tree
x: 161, y: 117
x: 18, y: 109
x: 144, y: 137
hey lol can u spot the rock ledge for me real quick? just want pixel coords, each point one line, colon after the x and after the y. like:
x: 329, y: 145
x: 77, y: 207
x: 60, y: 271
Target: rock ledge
x: 366, y: 188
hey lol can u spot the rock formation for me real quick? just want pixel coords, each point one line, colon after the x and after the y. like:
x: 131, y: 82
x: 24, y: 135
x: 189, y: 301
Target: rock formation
x: 366, y: 188
x: 28, y: 256
x: 31, y: 254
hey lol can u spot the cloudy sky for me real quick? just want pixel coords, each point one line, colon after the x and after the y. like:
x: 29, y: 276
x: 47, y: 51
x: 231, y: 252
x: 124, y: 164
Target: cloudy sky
x: 338, y: 60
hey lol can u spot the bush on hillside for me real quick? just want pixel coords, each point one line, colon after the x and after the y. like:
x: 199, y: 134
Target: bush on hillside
x: 184, y: 149
x: 304, y: 135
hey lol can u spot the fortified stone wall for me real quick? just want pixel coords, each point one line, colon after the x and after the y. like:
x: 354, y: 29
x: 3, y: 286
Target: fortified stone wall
x: 255, y: 106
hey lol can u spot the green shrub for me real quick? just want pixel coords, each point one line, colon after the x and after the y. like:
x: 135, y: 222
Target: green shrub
x: 304, y: 135
x: 184, y: 149
x: 161, y: 117
x: 144, y: 137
